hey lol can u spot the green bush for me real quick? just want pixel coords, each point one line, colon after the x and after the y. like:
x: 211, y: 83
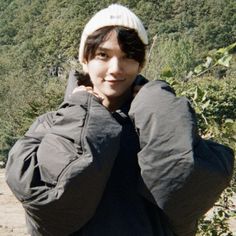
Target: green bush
x: 24, y: 100
x: 170, y: 57
x: 215, y: 104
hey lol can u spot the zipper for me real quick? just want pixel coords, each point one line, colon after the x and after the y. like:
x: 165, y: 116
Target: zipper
x: 81, y: 139
x: 73, y: 160
x: 85, y: 123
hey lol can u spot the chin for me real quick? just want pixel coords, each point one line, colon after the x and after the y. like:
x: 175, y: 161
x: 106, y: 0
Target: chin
x: 115, y: 94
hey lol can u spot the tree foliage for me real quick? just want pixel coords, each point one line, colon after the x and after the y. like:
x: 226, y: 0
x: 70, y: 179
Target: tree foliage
x: 39, y: 39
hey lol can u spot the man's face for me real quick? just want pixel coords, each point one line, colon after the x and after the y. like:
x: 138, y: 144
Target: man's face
x: 111, y: 71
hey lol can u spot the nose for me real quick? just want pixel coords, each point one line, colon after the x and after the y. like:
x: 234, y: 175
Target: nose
x: 115, y: 66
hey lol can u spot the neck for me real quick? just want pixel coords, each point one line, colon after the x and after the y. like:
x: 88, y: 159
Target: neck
x: 114, y: 103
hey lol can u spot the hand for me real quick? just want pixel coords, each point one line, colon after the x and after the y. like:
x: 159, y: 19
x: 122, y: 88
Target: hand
x: 88, y: 89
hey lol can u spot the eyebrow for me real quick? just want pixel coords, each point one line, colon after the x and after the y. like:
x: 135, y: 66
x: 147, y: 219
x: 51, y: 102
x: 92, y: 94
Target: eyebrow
x: 107, y: 50
x: 104, y: 49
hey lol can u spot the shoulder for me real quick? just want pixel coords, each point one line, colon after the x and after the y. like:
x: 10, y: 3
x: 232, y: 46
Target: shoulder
x: 158, y: 85
x: 41, y: 125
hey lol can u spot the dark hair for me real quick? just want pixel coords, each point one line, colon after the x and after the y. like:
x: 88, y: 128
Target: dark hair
x: 128, y: 39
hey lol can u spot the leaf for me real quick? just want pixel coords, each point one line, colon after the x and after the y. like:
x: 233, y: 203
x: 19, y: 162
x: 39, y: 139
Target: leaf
x: 229, y: 121
x: 224, y: 61
x: 206, y: 104
x: 204, y: 97
x: 167, y: 72
x: 195, y: 94
x: 226, y: 49
x: 199, y: 94
x: 208, y: 62
x: 198, y: 69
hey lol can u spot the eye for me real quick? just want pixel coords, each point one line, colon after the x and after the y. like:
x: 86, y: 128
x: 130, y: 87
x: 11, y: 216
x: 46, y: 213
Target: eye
x: 101, y: 56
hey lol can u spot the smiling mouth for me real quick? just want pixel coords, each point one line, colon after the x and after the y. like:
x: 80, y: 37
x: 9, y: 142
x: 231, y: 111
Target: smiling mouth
x: 114, y: 81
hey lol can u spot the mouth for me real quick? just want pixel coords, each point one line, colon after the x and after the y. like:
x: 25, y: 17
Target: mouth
x: 114, y: 81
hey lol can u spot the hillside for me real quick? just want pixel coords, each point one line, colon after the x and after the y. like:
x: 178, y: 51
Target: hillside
x: 39, y: 41
x: 192, y: 45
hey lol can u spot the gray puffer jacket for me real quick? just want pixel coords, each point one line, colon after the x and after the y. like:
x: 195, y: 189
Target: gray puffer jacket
x: 142, y: 170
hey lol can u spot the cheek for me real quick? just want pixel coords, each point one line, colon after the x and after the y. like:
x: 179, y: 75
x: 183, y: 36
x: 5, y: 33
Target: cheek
x: 96, y: 70
x: 132, y: 71
x: 132, y: 68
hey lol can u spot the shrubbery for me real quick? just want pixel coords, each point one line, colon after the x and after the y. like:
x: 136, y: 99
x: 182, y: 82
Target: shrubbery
x: 36, y: 36
x: 214, y: 101
x: 215, y: 104
x: 25, y: 99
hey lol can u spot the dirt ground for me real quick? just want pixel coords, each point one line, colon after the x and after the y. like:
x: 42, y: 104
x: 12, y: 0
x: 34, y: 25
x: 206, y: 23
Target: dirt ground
x: 12, y: 221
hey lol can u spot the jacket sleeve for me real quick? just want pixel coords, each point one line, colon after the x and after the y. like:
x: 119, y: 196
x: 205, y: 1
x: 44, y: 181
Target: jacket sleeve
x: 184, y: 173
x: 59, y: 169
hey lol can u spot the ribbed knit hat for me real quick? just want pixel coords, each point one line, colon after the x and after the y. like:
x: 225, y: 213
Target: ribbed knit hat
x: 113, y: 15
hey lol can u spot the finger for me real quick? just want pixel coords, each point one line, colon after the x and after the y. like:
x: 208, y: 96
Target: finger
x: 79, y: 88
x: 87, y: 89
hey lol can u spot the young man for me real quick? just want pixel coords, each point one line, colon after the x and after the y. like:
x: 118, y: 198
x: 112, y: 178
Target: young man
x: 109, y: 164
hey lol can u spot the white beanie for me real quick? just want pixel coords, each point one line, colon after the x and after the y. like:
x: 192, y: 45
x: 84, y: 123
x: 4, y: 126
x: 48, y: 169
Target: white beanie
x: 114, y: 15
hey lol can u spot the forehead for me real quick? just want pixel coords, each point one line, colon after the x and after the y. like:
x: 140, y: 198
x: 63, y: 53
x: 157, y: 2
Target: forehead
x: 110, y: 42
